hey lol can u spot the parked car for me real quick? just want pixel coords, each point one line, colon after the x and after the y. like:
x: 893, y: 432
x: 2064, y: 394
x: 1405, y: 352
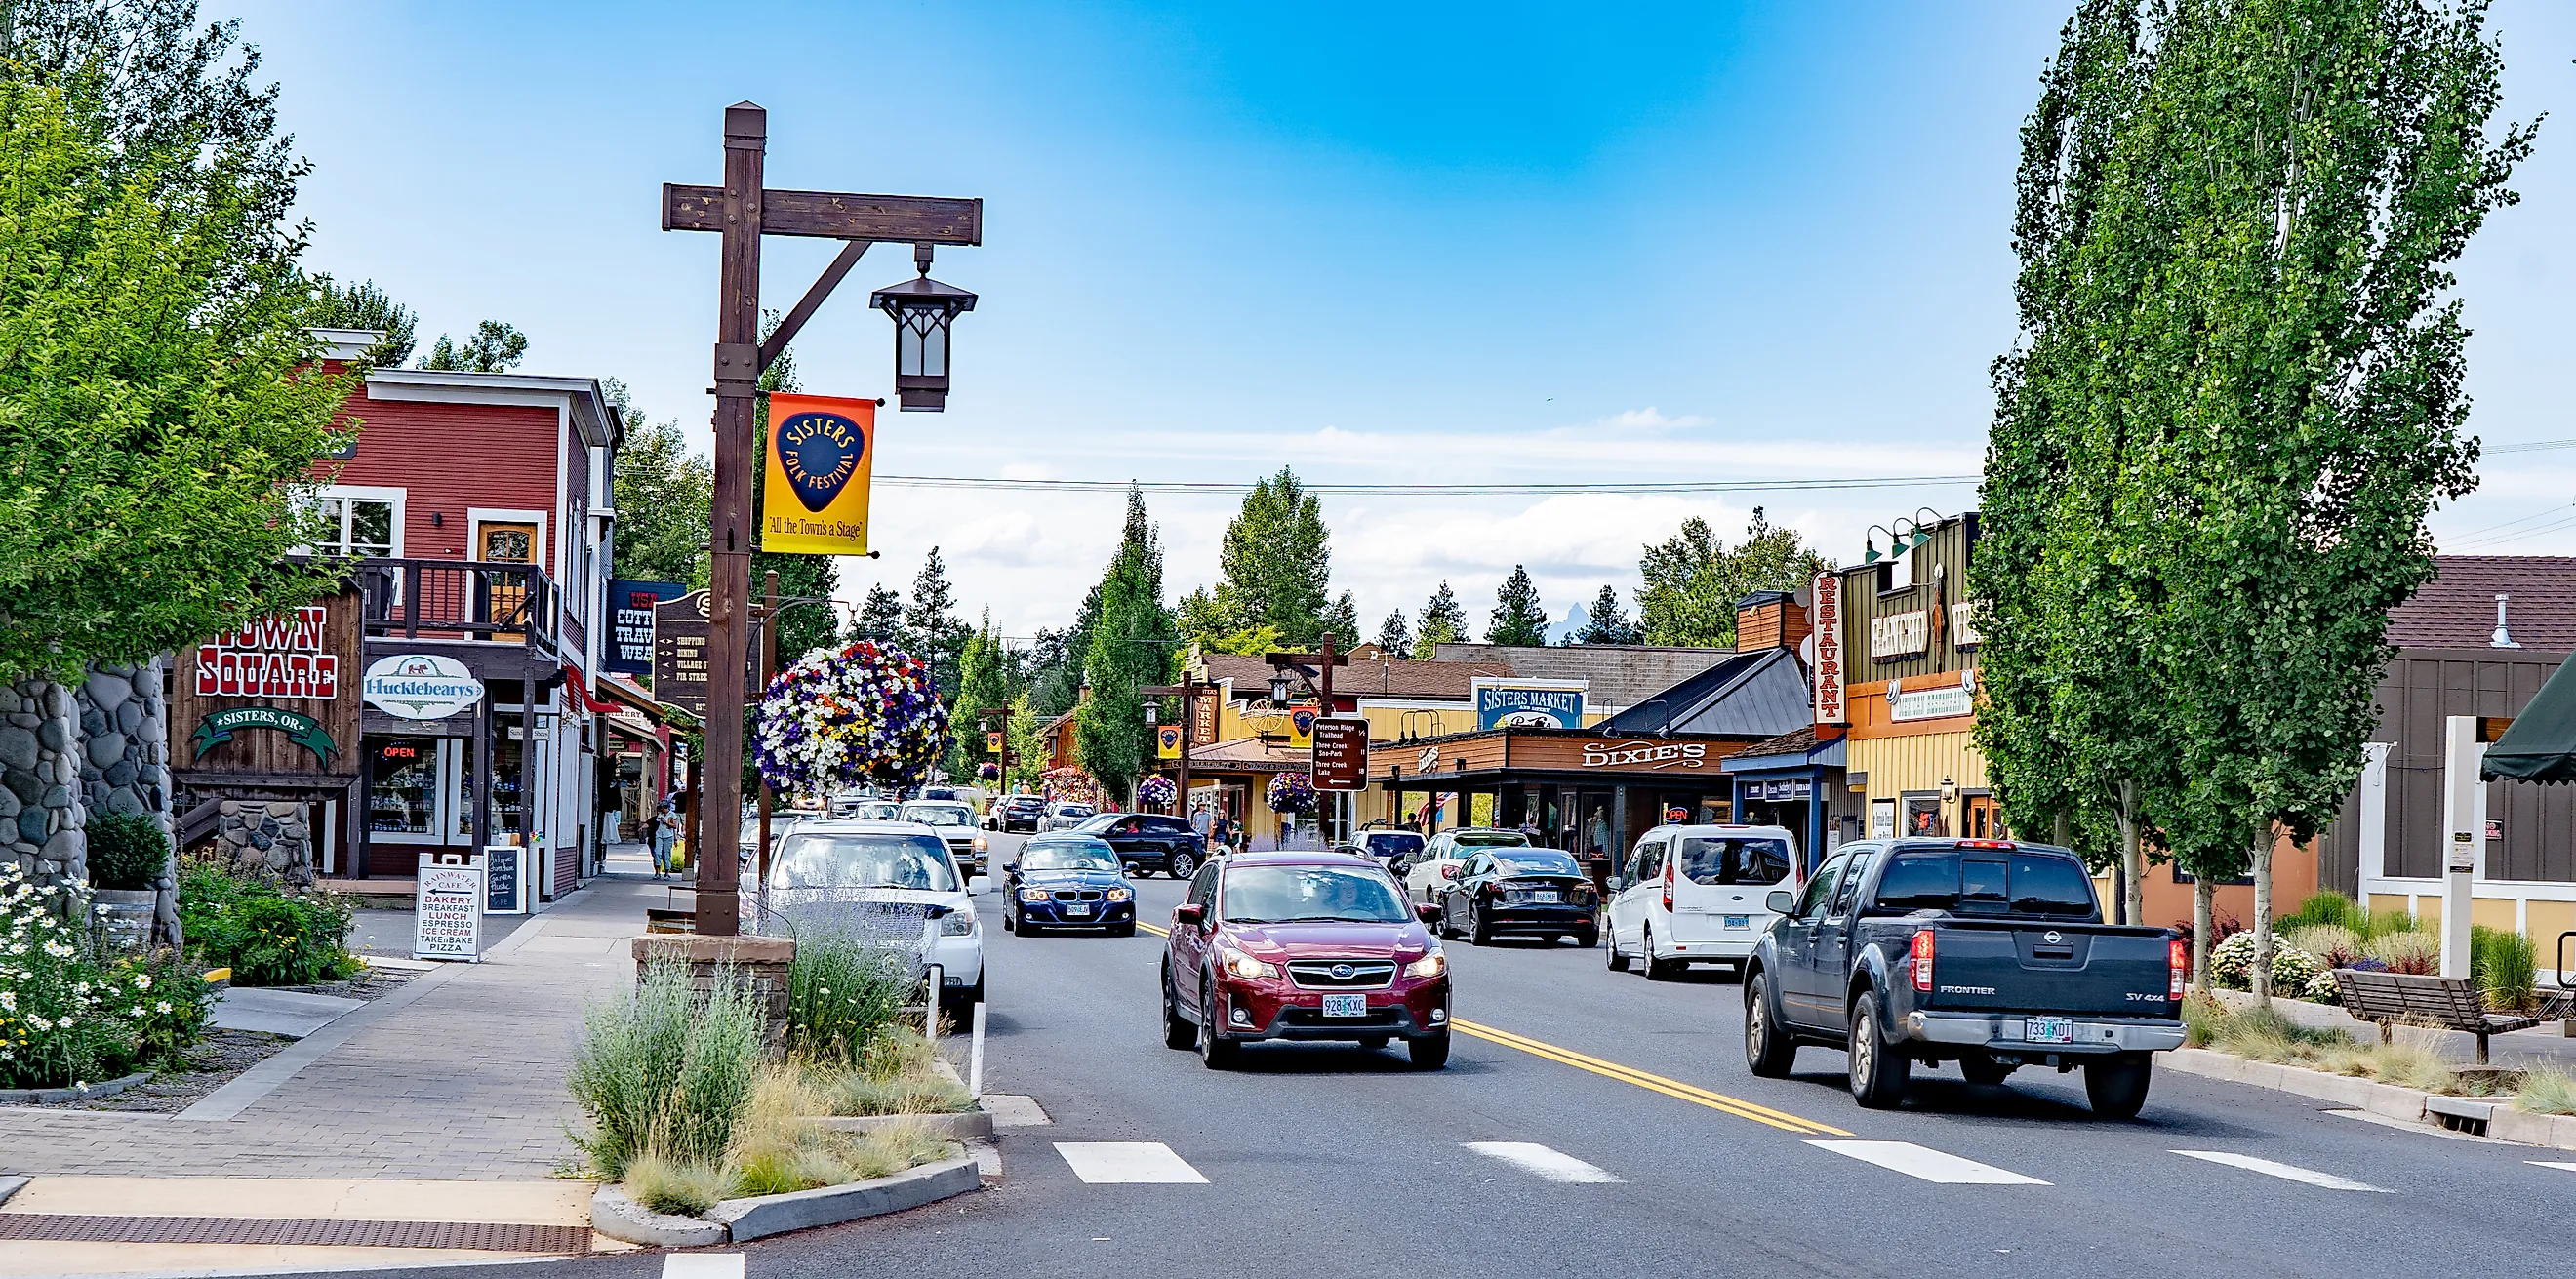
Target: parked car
x: 1016, y: 812
x: 889, y: 881
x: 1384, y: 845
x: 1302, y: 946
x: 1068, y: 880
x: 1067, y: 816
x: 955, y: 822
x: 1438, y: 861
x: 1151, y: 841
x: 1696, y: 895
x: 779, y: 826
x: 1519, y: 892
x: 1980, y: 951
x: 877, y: 810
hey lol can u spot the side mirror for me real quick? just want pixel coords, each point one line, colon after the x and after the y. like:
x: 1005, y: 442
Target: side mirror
x: 1189, y: 915
x: 1781, y: 902
x: 1618, y: 883
x: 979, y: 884
x: 1428, y: 914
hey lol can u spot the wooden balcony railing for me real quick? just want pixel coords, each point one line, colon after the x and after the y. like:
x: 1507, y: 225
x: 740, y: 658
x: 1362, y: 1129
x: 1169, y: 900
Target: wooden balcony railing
x: 460, y: 599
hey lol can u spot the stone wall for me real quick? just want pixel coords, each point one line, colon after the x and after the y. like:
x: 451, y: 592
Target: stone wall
x: 124, y: 758
x: 41, y: 809
x: 270, y: 837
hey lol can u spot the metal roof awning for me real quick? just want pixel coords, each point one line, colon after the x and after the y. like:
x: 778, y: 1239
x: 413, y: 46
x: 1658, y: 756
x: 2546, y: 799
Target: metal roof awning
x: 2540, y: 745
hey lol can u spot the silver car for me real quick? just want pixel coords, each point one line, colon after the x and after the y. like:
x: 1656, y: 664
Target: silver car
x: 891, y: 883
x: 1068, y: 816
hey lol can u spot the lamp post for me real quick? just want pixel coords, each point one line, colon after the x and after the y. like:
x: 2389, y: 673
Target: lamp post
x: 986, y: 715
x: 742, y: 211
x: 1314, y: 670
x: 1188, y: 691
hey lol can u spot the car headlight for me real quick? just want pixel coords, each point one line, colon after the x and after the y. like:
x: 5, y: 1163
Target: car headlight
x: 1033, y: 894
x: 1431, y: 965
x: 979, y: 843
x: 1245, y: 966
x: 957, y: 923
x: 1119, y: 894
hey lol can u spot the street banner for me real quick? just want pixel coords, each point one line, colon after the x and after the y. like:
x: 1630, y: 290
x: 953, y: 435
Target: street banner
x: 1341, y: 755
x: 630, y: 649
x: 1301, y: 724
x: 1167, y: 741
x: 992, y: 743
x: 820, y: 464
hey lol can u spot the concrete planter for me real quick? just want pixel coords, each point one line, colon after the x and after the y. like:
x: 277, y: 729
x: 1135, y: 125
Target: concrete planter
x: 972, y: 1125
x: 49, y: 1096
x: 615, y: 1215
x: 2501, y: 1120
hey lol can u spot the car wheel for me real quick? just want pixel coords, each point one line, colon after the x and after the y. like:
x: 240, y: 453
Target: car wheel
x: 1656, y: 969
x: 1878, y: 1070
x: 1182, y: 866
x: 1215, y: 1053
x: 1480, y: 930
x: 2117, y: 1085
x: 1178, y: 1033
x: 1767, y: 1052
x: 1985, y: 1071
x: 1429, y: 1053
x: 1618, y: 962
x: 1440, y: 927
x: 1587, y: 939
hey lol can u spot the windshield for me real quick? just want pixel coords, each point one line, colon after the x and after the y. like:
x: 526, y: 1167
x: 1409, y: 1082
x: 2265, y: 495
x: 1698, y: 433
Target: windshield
x: 1537, y: 861
x: 1492, y: 839
x: 862, y: 861
x: 1097, y: 824
x: 1068, y: 854
x: 1705, y: 859
x: 938, y: 815
x: 1320, y: 894
x: 1395, y: 845
x: 2021, y: 884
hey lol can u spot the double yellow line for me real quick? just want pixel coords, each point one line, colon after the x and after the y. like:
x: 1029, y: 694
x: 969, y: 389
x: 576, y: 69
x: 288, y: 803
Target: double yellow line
x: 1735, y: 1106
x: 1718, y: 1101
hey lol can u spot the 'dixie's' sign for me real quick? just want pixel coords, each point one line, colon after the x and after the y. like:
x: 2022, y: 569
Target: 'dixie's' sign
x: 279, y: 657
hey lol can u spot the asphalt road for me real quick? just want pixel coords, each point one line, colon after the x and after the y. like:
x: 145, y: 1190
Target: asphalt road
x: 1327, y: 1161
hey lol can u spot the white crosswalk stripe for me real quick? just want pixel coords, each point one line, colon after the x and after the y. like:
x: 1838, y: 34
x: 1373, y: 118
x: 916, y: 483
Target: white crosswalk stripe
x: 2285, y: 1172
x: 1553, y: 1164
x: 1116, y: 1162
x: 2552, y: 1163
x: 1927, y: 1164
x: 702, y: 1265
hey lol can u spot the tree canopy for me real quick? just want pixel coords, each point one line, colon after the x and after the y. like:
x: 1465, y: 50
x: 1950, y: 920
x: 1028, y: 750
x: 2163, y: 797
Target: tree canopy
x: 365, y: 306
x: 1443, y: 622
x: 1693, y: 579
x: 1275, y: 563
x: 1606, y: 622
x: 493, y: 347
x: 1520, y: 617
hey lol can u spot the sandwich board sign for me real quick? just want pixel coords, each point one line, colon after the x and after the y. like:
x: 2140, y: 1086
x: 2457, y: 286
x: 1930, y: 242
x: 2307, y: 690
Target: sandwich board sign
x: 447, y: 907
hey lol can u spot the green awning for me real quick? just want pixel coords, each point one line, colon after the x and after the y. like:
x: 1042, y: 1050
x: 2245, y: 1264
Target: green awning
x: 2541, y: 745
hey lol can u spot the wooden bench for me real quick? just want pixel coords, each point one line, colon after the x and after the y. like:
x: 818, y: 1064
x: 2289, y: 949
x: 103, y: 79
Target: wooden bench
x: 2409, y: 999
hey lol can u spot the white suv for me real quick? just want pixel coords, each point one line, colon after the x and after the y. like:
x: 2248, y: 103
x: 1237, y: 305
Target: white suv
x: 1694, y: 894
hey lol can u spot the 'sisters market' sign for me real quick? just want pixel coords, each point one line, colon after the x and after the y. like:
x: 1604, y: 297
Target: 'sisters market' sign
x: 280, y: 657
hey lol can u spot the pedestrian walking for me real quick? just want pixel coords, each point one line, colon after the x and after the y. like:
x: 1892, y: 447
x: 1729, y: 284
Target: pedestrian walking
x: 666, y: 836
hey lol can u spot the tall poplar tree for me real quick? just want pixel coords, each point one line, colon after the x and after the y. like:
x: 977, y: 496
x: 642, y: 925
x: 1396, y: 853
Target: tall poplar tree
x: 1276, y: 562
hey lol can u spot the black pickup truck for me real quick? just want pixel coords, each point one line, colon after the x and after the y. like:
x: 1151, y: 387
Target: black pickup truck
x: 1980, y: 951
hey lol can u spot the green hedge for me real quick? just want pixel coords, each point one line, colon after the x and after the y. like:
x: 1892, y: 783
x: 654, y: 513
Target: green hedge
x: 250, y: 925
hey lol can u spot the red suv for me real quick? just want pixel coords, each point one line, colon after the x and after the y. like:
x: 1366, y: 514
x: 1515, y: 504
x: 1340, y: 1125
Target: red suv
x: 1303, y: 946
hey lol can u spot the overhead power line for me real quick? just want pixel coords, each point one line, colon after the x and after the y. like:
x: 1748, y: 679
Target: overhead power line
x: 1432, y: 490
x: 2534, y: 447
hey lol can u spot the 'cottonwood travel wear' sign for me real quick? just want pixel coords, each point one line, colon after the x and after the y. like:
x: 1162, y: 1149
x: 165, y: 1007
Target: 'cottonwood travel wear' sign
x: 421, y: 686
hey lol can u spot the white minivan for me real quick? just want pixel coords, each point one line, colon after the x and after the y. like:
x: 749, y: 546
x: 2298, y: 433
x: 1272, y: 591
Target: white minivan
x: 1694, y: 895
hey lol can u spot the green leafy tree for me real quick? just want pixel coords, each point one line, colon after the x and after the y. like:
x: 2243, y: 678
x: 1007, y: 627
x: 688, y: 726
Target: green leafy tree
x: 494, y: 347
x: 983, y: 684
x: 1109, y: 725
x: 1443, y: 622
x: 159, y: 423
x: 1342, y: 621
x: 1693, y: 579
x: 1276, y: 563
x: 880, y: 616
x: 365, y: 306
x: 1394, y: 638
x: 662, y: 488
x: 1520, y: 617
x: 1606, y: 622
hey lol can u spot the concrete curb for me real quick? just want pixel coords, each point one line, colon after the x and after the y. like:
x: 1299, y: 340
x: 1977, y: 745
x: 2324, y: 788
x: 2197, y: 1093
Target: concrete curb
x: 2503, y: 1121
x: 10, y: 1186
x: 615, y: 1215
x: 47, y: 1096
x: 972, y: 1125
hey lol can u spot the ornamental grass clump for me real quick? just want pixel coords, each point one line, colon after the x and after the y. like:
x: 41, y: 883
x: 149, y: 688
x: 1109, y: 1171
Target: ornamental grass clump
x: 2547, y: 1090
x: 895, y: 1076
x: 69, y: 1017
x: 2407, y: 952
x: 842, y: 993
x: 2503, y: 968
x: 665, y: 1070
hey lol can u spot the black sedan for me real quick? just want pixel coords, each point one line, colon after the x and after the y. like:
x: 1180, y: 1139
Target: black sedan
x: 1150, y: 842
x: 1520, y: 892
x: 1015, y: 813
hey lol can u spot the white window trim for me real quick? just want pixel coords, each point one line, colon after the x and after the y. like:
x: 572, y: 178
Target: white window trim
x: 478, y: 516
x: 345, y: 493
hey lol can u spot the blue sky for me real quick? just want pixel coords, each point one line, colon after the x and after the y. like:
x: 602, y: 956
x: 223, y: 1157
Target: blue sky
x: 1379, y: 243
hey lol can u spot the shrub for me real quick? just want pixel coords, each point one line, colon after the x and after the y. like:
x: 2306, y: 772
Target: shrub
x: 842, y: 992
x: 2323, y: 908
x: 2336, y: 944
x: 66, y: 1018
x: 2232, y: 965
x: 2547, y: 1091
x: 126, y: 852
x: 2407, y: 952
x: 665, y: 1069
x: 246, y: 923
x: 2322, y: 989
x: 2502, y: 965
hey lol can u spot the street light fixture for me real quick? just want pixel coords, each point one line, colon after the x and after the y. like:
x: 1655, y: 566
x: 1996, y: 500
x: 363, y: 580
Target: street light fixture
x: 1279, y: 692
x: 922, y: 309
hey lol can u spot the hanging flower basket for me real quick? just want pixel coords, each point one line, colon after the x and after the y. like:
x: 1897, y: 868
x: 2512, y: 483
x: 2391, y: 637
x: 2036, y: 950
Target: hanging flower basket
x: 861, y: 715
x: 1157, y: 792
x: 1292, y: 793
x: 1071, y: 785
x: 988, y: 771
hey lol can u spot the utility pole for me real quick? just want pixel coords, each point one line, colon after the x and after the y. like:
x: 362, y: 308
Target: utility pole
x: 741, y: 212
x: 1188, y: 691
x: 1315, y: 670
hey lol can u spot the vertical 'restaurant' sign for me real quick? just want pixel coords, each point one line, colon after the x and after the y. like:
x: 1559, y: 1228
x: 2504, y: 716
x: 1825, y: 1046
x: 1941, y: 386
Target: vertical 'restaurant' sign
x: 1828, y: 620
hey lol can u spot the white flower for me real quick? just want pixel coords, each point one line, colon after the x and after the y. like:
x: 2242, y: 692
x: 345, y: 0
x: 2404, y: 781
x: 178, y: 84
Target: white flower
x: 143, y: 981
x: 163, y: 1006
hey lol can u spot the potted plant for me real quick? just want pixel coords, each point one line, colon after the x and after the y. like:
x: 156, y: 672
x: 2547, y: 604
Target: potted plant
x: 128, y: 853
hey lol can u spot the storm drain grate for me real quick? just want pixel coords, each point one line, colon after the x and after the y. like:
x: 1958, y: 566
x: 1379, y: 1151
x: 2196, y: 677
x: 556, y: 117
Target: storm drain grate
x: 488, y: 1236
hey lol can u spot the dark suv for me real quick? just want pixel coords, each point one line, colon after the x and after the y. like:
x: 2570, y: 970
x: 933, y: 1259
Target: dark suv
x: 1016, y: 812
x: 1151, y: 842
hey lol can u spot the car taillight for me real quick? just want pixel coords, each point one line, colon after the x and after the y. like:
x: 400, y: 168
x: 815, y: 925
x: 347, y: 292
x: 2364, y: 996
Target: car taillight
x: 1448, y: 872
x: 2178, y: 968
x: 1668, y: 888
x: 1921, y: 950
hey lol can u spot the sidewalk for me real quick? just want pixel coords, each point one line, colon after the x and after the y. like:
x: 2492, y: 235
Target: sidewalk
x: 2544, y: 1045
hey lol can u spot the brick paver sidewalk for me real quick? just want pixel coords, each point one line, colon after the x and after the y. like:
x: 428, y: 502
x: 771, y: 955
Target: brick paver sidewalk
x: 463, y: 1079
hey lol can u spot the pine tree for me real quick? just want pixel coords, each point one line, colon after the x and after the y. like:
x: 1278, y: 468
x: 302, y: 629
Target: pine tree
x: 932, y: 630
x: 1443, y: 622
x: 1605, y: 622
x: 880, y: 616
x: 1394, y: 638
x: 1520, y: 617
x: 1342, y: 622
